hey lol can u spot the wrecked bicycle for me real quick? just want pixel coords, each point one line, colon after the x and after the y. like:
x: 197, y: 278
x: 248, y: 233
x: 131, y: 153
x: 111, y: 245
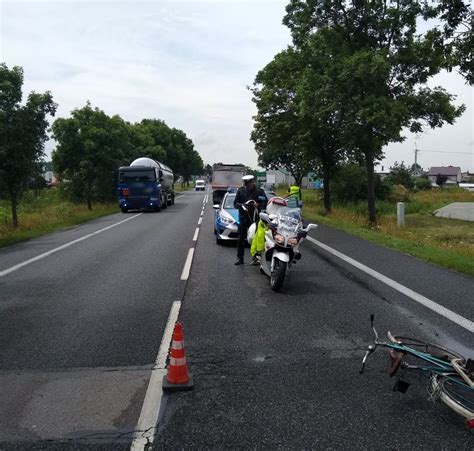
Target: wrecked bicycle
x: 451, y: 376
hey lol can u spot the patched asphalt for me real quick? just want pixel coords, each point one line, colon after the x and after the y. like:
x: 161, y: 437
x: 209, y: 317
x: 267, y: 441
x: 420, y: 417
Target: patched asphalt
x: 282, y: 370
x: 80, y: 330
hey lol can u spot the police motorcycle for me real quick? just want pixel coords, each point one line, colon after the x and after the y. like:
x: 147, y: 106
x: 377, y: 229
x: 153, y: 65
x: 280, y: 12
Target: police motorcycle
x: 284, y: 233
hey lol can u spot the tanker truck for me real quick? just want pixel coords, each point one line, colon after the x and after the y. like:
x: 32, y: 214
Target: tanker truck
x: 145, y: 184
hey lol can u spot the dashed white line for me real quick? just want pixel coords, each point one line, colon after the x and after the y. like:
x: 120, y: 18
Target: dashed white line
x: 187, y: 265
x: 428, y: 303
x: 196, y: 234
x: 64, y: 246
x: 200, y: 221
x: 154, y: 394
x: 179, y: 197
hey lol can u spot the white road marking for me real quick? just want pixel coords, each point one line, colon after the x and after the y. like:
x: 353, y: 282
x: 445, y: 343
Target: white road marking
x: 64, y: 246
x: 179, y: 197
x: 428, y: 303
x: 187, y: 265
x: 202, y: 213
x: 200, y: 221
x: 196, y: 234
x: 154, y: 394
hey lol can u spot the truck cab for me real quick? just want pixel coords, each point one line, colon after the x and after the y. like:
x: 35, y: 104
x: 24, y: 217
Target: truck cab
x: 145, y: 184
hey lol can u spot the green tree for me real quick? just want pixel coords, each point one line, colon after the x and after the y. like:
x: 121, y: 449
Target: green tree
x: 401, y: 175
x: 90, y: 147
x: 456, y: 28
x: 278, y: 134
x: 23, y: 132
x: 349, y: 184
x: 384, y: 63
x: 441, y: 179
x: 168, y: 145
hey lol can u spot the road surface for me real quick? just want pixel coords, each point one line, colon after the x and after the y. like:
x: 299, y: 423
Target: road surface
x: 82, y: 326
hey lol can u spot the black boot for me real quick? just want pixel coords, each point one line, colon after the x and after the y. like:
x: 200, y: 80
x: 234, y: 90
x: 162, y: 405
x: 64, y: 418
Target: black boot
x: 240, y: 261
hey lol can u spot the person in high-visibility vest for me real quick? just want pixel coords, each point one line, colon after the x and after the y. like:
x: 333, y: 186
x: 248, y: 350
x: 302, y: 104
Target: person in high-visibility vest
x: 295, y: 190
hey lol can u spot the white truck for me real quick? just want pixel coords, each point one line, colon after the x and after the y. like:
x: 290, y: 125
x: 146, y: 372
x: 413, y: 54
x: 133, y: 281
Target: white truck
x: 225, y: 177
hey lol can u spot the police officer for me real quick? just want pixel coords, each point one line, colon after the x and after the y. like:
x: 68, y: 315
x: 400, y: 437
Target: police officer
x: 245, y: 193
x: 295, y: 190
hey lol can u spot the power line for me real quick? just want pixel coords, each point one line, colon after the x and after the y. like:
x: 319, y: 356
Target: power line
x: 443, y: 151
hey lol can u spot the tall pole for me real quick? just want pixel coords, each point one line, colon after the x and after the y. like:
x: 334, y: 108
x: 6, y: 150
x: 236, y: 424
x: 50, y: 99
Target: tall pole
x: 416, y: 157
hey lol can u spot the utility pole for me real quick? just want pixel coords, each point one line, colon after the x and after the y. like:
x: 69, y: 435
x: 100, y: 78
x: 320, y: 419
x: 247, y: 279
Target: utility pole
x: 416, y: 155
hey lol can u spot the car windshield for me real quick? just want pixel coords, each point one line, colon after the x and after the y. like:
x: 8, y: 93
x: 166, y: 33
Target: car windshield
x: 137, y: 176
x: 229, y: 202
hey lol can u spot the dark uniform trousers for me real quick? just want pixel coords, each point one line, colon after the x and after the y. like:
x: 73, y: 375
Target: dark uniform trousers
x: 242, y: 196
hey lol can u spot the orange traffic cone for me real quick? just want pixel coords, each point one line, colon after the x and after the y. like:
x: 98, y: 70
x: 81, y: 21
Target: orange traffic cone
x: 178, y: 377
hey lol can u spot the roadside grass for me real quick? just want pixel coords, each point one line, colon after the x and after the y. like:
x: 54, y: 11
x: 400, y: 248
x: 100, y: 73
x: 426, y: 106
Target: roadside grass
x: 45, y: 214
x: 445, y: 242
x: 180, y: 189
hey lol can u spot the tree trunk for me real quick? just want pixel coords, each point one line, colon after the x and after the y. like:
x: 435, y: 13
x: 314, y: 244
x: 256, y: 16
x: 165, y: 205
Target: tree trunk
x: 327, y: 192
x: 14, y: 204
x: 89, y: 198
x: 369, y: 163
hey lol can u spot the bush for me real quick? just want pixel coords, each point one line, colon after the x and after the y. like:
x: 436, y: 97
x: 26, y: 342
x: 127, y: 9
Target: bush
x: 399, y: 193
x: 422, y: 183
x: 401, y: 175
x: 350, y: 185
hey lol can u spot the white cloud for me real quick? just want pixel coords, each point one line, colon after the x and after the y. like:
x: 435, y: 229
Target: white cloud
x: 186, y: 62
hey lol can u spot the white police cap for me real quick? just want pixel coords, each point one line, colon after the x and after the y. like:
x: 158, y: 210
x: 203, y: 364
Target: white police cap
x: 247, y: 178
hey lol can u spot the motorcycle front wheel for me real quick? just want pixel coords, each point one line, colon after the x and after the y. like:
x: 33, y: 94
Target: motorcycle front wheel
x: 278, y: 275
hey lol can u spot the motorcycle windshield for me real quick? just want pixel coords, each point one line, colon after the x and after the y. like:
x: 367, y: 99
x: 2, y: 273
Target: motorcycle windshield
x: 287, y: 222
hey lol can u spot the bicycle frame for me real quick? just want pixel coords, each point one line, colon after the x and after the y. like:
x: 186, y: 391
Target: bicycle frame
x: 436, y: 366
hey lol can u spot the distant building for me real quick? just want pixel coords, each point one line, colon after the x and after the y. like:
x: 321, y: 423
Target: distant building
x: 467, y: 176
x: 279, y: 177
x: 48, y: 174
x: 382, y: 172
x: 453, y: 174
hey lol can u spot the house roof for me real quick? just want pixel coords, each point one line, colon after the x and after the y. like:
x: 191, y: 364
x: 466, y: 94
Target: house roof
x: 444, y: 170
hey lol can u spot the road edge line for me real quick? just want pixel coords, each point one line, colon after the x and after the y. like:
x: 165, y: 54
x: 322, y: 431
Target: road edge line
x: 151, y: 407
x: 417, y: 297
x: 60, y: 248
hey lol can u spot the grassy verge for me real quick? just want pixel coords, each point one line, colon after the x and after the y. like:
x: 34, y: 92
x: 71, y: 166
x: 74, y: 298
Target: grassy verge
x: 45, y: 214
x: 445, y: 242
x: 181, y: 189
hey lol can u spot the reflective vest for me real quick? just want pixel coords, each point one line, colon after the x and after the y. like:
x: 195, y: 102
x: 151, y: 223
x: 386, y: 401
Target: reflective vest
x: 295, y: 191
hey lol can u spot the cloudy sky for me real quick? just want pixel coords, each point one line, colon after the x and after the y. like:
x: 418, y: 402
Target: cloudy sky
x: 186, y: 62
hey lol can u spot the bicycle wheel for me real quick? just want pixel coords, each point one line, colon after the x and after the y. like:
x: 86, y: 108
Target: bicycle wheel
x: 435, y: 350
x: 455, y: 393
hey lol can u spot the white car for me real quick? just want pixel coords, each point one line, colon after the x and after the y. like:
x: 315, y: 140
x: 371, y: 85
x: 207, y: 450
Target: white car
x: 200, y: 185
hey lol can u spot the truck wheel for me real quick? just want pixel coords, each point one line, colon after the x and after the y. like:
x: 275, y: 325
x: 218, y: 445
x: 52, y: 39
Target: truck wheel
x: 158, y: 209
x: 124, y: 210
x: 164, y: 202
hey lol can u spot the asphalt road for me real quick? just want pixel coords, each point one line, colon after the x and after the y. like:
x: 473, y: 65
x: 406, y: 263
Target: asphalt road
x: 80, y: 330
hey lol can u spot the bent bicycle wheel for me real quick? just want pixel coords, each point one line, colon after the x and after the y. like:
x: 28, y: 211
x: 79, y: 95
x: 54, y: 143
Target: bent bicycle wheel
x: 435, y: 350
x: 455, y: 393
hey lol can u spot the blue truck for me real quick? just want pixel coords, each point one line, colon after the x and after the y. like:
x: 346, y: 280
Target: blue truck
x: 145, y: 184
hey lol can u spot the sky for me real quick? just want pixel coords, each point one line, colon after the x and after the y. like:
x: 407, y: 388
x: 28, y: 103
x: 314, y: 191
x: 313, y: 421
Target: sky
x: 188, y: 63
